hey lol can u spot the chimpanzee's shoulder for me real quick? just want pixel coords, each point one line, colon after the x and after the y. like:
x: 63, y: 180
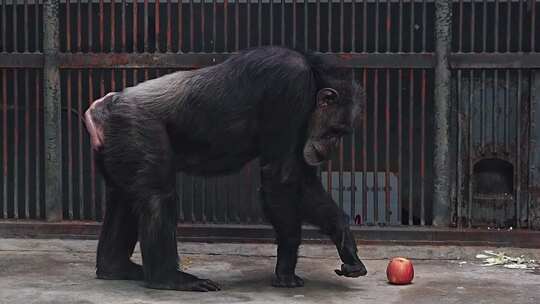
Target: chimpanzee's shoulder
x: 277, y: 56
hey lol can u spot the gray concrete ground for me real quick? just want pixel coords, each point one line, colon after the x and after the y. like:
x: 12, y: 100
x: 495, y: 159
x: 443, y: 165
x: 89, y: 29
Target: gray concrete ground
x: 62, y: 271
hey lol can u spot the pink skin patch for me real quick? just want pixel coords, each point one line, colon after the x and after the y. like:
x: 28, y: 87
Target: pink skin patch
x: 95, y: 130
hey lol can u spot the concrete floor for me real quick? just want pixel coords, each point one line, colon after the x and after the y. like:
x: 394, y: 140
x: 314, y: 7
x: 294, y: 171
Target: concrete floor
x: 62, y: 271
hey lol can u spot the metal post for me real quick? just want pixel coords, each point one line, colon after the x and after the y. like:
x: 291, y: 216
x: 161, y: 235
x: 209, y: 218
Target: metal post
x: 51, y: 91
x: 443, y: 38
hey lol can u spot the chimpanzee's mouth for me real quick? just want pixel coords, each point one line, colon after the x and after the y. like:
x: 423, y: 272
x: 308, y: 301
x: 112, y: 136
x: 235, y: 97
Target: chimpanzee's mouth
x: 321, y: 155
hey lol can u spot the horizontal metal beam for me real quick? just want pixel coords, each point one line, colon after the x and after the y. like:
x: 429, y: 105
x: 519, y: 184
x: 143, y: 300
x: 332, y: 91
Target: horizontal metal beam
x: 265, y: 234
x: 21, y: 60
x: 494, y: 60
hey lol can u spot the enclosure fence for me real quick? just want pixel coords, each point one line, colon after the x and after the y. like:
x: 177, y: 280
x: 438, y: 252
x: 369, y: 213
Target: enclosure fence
x: 449, y: 135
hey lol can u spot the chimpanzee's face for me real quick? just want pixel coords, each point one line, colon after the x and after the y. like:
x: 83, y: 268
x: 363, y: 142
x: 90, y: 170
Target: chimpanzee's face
x: 335, y: 113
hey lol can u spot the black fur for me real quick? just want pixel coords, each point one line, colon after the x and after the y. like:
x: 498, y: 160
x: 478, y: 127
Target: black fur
x: 261, y: 103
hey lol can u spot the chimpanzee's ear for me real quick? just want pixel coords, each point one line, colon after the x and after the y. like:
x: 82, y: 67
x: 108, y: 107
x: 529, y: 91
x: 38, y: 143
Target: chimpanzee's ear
x: 327, y: 96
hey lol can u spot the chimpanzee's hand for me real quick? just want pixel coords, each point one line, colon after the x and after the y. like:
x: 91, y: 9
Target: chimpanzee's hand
x: 351, y: 271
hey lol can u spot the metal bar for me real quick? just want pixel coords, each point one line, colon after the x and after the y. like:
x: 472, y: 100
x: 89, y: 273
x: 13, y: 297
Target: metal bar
x: 259, y: 22
x: 103, y: 192
x: 460, y: 41
x: 424, y: 26
x: 400, y: 144
x: 90, y: 28
x: 458, y: 101
x: 423, y: 151
x: 136, y: 27
x: 293, y: 23
x: 225, y: 25
x: 248, y: 8
x: 93, y: 213
x: 26, y: 145
x: 484, y: 25
x: 68, y: 25
x: 79, y: 20
x: 443, y: 38
x: 473, y: 26
x: 203, y: 28
x: 518, y: 146
x: 146, y: 25
x: 493, y: 110
x: 400, y: 32
x: 341, y: 18
x: 282, y: 23
x: 4, y: 143
x: 364, y: 152
x: 214, y: 25
x: 353, y: 27
x: 112, y: 25
x: 272, y: 22
x: 81, y: 147
x: 306, y: 33
x: 69, y: 145
x: 15, y: 144
x: 388, y: 25
x: 470, y: 149
x: 340, y: 176
x: 376, y: 146
x: 387, y: 149
x: 377, y: 27
x: 411, y: 141
x: 26, y: 27
x: 237, y: 25
x: 353, y: 162
x: 533, y: 26
x: 318, y: 26
x: 157, y: 29
x: 497, y: 8
x: 197, y: 60
x: 329, y: 49
x: 508, y: 24
x: 123, y: 29
x: 520, y: 27
x: 51, y: 81
x: 411, y: 29
x: 4, y: 27
x: 483, y: 111
x: 101, y: 25
x: 180, y: 27
x: 15, y: 30
x: 38, y: 130
x: 506, y: 100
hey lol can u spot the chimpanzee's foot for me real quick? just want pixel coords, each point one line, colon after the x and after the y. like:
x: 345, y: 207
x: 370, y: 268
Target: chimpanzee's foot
x: 129, y: 271
x: 352, y: 271
x: 185, y: 282
x: 288, y: 281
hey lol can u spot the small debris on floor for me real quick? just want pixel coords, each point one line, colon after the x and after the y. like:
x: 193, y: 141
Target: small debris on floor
x: 492, y: 258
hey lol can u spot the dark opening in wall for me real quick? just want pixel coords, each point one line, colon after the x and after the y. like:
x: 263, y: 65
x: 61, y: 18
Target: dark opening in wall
x: 493, y: 177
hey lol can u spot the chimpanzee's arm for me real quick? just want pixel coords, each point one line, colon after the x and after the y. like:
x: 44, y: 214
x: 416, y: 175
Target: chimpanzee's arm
x: 319, y: 209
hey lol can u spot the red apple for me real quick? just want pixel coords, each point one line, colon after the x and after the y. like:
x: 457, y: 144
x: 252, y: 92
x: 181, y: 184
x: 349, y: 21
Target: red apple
x: 400, y: 271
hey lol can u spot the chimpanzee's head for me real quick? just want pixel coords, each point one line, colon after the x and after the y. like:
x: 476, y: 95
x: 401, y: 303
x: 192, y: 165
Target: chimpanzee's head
x: 338, y: 105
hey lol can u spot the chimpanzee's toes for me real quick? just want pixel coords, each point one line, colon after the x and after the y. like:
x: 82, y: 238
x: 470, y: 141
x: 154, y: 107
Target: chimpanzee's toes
x: 352, y: 271
x: 287, y: 281
x: 199, y: 285
x: 185, y: 282
x: 129, y: 271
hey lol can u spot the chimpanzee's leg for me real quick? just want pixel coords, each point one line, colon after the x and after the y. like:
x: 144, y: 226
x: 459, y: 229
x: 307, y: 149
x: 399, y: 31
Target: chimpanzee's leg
x: 280, y: 205
x: 319, y: 209
x: 117, y: 239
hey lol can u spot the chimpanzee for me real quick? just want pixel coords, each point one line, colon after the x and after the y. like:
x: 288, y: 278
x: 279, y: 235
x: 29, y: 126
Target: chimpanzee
x: 285, y: 107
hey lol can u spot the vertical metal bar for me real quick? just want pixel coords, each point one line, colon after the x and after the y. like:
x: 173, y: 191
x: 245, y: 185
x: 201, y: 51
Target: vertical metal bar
x: 330, y: 26
x: 460, y: 41
x: 225, y: 25
x: 146, y: 25
x: 376, y: 147
x: 518, y: 143
x: 38, y: 129
x: 340, y: 177
x: 214, y: 25
x: 112, y: 24
x: 123, y: 48
x: 443, y: 38
x: 259, y: 22
x: 400, y: 143
x: 69, y: 145
x: 90, y: 28
x: 412, y: 28
x: 282, y: 23
x: 364, y: 152
x: 411, y: 142
x: 318, y: 26
x: 79, y: 20
x: 180, y: 27
x: 191, y: 27
x: 341, y: 18
x: 237, y: 25
x: 400, y: 32
x: 203, y: 27
x: 494, y: 143
x: 306, y: 17
x: 15, y: 30
x: 470, y: 149
x: 353, y: 161
x: 508, y: 24
x: 483, y: 112
x: 533, y: 26
x: 473, y: 25
x: 506, y: 100
x: 102, y: 93
x: 484, y: 25
x: 424, y: 26
x: 497, y: 4
x: 4, y: 27
x: 68, y: 26
x: 136, y: 25
x: 353, y: 27
x: 4, y: 142
x: 157, y: 29
x: 423, y: 150
x: 387, y: 148
x: 15, y: 144
x: 376, y: 27
x: 520, y: 27
x: 101, y: 25
x: 458, y: 101
x: 26, y: 27
x: 53, y: 168
x: 81, y: 147
x: 294, y: 23
x: 248, y: 8
x: 92, y: 156
x: 169, y: 27
x: 26, y: 144
x: 388, y: 24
